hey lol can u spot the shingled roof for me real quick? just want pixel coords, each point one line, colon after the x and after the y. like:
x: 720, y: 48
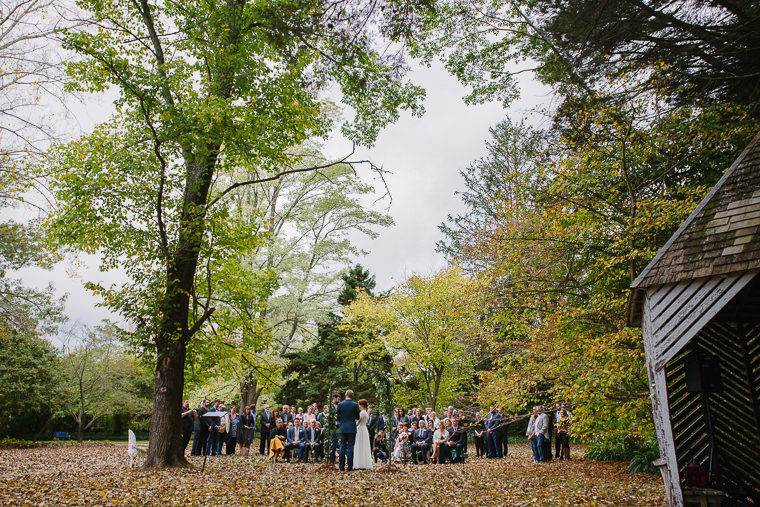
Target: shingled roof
x: 721, y: 236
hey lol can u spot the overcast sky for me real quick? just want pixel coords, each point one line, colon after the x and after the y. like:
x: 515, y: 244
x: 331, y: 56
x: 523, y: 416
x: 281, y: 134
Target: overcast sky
x: 424, y: 156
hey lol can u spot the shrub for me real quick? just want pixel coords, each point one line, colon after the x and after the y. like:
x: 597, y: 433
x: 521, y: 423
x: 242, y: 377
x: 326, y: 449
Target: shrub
x: 639, y: 452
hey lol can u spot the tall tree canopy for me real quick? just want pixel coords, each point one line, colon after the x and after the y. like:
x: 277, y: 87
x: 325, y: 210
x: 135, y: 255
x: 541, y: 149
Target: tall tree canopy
x: 426, y: 325
x: 310, y: 373
x: 205, y: 87
x: 694, y: 50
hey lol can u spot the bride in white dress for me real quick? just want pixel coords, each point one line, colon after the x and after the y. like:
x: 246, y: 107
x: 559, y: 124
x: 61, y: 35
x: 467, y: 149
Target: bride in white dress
x: 362, y: 451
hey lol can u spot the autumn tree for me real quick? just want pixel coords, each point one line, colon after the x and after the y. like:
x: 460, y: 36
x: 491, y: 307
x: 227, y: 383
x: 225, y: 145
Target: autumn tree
x: 557, y: 266
x: 204, y: 88
x: 425, y: 324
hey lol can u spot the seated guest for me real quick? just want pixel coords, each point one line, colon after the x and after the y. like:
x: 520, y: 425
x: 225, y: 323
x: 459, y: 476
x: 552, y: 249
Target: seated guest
x: 412, y: 432
x: 455, y: 443
x: 440, y: 437
x: 295, y: 440
x: 423, y: 440
x: 402, y: 449
x: 380, y: 447
x: 277, y: 438
x: 313, y: 443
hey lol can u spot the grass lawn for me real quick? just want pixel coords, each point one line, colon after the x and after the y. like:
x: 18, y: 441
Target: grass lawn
x: 98, y: 474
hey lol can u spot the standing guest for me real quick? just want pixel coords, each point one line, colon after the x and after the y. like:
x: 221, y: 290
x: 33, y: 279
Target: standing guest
x: 380, y: 447
x: 423, y: 441
x: 371, y: 427
x: 313, y: 442
x: 440, y: 437
x: 479, y: 431
x: 277, y: 437
x: 246, y: 430
x: 542, y: 433
x: 286, y: 415
x: 309, y: 416
x: 563, y: 433
x: 200, y: 429
x: 299, y: 415
x: 434, y: 418
x: 188, y: 421
x: 213, y: 429
x: 531, y: 434
x: 557, y: 446
x: 398, y: 419
x: 465, y: 423
x: 492, y: 424
x: 267, y: 422
x: 322, y: 415
x: 232, y: 431
x: 295, y: 440
x: 222, y: 429
x: 503, y: 436
x: 549, y: 417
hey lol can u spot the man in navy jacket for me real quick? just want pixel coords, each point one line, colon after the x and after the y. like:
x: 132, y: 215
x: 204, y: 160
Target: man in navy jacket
x: 347, y: 414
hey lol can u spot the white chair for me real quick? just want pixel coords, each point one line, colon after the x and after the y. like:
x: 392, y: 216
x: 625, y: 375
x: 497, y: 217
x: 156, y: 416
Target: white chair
x: 135, y: 450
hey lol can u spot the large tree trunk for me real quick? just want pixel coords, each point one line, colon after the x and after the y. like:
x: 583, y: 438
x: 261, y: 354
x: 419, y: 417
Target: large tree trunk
x: 165, y: 441
x: 250, y: 391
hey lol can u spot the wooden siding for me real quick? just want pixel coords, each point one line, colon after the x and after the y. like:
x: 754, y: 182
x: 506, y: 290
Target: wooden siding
x: 734, y: 410
x: 678, y: 311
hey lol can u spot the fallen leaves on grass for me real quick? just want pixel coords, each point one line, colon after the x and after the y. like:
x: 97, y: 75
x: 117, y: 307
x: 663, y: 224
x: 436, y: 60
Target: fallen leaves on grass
x: 98, y: 474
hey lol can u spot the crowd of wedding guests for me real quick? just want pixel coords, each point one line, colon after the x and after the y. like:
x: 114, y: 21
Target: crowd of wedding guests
x: 415, y: 435
x: 542, y: 425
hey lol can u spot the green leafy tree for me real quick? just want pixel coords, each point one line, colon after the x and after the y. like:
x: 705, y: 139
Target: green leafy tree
x: 693, y: 51
x: 425, y: 324
x: 98, y: 378
x: 28, y: 376
x: 205, y: 88
x: 309, y: 219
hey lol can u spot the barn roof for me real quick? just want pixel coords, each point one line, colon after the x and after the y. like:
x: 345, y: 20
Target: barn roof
x: 721, y: 236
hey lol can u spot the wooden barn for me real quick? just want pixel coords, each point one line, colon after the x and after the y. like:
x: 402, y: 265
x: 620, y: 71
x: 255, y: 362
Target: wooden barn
x: 698, y: 303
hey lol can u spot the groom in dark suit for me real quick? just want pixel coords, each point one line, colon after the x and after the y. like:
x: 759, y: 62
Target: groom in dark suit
x: 346, y: 415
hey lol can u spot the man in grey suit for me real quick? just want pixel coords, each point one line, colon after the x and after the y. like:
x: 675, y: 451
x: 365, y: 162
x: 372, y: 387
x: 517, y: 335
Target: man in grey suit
x: 347, y: 414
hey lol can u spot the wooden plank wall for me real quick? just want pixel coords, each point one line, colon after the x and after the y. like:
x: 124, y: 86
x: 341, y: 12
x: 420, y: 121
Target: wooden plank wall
x: 677, y: 318
x: 734, y: 410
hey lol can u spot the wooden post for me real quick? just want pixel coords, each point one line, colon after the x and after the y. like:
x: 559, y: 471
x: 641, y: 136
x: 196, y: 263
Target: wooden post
x: 661, y: 411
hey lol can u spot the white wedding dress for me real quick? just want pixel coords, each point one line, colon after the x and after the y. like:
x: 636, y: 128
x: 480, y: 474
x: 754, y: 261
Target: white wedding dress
x: 362, y: 452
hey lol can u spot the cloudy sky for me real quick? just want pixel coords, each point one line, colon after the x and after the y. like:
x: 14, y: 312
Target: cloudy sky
x: 424, y: 156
